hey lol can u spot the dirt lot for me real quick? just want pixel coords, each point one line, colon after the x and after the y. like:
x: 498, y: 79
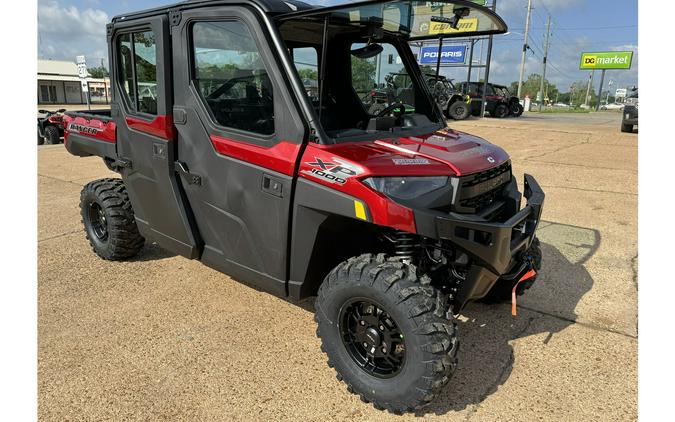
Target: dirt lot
x: 165, y: 338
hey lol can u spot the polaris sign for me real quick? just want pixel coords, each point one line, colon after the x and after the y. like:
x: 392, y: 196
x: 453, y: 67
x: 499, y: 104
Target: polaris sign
x: 449, y: 54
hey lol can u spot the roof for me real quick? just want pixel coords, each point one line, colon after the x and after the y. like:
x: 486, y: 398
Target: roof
x: 57, y: 67
x: 268, y: 6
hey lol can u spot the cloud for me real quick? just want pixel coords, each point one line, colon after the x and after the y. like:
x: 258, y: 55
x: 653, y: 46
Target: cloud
x: 66, y: 31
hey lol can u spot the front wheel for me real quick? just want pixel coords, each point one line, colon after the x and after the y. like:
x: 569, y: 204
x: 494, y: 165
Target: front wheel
x: 458, y: 110
x: 108, y: 219
x: 516, y: 109
x: 387, y: 332
x: 626, y: 128
x: 41, y: 140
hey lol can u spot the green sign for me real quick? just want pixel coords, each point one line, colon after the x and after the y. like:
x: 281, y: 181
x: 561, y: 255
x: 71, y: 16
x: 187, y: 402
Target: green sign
x: 606, y: 60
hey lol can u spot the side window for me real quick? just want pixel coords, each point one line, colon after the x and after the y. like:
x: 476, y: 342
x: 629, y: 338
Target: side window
x: 137, y: 61
x: 231, y: 77
x: 306, y: 62
x: 145, y: 60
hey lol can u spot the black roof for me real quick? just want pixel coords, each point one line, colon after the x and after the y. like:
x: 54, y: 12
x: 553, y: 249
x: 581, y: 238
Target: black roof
x: 268, y: 6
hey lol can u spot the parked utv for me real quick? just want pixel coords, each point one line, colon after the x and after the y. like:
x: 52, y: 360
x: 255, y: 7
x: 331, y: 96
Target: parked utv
x: 452, y: 102
x: 393, y: 221
x: 499, y: 104
x: 50, y: 127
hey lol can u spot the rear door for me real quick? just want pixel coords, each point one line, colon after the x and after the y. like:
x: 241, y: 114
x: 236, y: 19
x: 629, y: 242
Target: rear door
x: 239, y: 133
x: 141, y: 67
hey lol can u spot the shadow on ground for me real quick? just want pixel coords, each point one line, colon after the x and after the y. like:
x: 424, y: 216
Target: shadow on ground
x: 486, y: 356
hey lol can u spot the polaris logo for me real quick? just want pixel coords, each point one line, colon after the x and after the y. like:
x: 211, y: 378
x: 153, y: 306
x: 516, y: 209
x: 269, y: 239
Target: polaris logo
x: 444, y: 54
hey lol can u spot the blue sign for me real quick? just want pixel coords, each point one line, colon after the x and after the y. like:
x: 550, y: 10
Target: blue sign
x: 449, y: 54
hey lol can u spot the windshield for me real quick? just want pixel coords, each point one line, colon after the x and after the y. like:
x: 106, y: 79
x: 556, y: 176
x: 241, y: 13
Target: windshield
x: 414, y: 20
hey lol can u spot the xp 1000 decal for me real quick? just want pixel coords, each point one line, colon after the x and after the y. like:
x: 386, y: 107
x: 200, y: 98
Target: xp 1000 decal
x: 333, y: 171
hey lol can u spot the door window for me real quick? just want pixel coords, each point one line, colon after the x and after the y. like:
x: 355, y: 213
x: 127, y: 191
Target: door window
x: 137, y: 61
x: 231, y: 77
x: 306, y: 62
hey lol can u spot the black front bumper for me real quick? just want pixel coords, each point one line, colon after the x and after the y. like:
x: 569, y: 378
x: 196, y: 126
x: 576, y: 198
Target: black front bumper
x: 495, y: 247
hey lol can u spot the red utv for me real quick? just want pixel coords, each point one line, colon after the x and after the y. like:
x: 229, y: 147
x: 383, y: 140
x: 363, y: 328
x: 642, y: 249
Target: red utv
x: 391, y: 220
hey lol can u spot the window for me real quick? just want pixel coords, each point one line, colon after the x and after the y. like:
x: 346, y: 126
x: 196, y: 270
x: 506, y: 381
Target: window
x: 137, y: 60
x: 48, y: 93
x: 382, y: 80
x: 306, y: 62
x: 231, y: 77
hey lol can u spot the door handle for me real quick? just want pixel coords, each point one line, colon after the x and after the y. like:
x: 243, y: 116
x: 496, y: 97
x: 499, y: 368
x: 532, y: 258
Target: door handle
x: 192, y: 179
x: 272, y: 185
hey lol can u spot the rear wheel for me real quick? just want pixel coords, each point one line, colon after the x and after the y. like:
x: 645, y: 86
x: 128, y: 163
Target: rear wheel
x: 387, y: 332
x: 52, y: 135
x: 109, y: 221
x: 501, y: 111
x: 626, y: 128
x: 458, y: 110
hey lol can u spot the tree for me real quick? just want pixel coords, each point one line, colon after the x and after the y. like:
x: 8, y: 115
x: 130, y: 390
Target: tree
x: 532, y: 86
x: 98, y: 72
x: 307, y: 73
x: 363, y: 74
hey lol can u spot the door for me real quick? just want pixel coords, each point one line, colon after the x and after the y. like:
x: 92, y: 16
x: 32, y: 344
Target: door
x: 146, y: 142
x: 238, y: 130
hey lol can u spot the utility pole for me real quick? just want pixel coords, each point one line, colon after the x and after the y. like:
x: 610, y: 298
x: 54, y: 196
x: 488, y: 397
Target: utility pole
x: 602, y: 80
x: 588, y: 88
x: 543, y: 73
x: 487, y: 67
x: 523, y: 57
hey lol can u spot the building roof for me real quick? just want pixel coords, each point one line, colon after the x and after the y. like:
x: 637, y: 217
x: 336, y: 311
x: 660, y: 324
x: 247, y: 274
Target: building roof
x: 57, y: 67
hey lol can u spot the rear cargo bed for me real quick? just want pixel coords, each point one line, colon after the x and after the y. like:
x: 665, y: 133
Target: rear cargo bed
x: 90, y: 132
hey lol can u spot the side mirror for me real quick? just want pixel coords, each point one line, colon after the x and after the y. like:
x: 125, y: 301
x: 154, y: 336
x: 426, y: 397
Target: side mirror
x: 61, y: 110
x: 43, y: 111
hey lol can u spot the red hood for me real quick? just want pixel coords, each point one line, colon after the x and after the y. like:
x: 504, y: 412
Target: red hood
x: 435, y: 154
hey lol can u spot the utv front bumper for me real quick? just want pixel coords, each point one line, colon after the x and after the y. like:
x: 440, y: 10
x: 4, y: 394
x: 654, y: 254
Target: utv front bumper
x: 495, y: 247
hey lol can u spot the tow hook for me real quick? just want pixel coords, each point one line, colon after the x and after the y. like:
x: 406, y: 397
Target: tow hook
x: 528, y: 275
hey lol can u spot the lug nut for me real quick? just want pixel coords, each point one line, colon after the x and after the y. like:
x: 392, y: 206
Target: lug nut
x: 384, y: 350
x: 362, y: 322
x: 365, y: 344
x: 381, y: 327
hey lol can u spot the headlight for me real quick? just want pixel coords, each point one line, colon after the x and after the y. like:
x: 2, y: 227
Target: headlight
x: 406, y: 187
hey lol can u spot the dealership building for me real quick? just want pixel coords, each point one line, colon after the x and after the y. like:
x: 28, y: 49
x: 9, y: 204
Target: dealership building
x: 59, y: 83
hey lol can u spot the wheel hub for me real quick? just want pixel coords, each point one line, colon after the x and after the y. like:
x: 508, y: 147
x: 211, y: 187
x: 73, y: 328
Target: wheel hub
x: 372, y: 338
x: 99, y: 223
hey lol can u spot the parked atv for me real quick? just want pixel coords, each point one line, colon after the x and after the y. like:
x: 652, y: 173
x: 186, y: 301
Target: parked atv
x: 391, y: 92
x: 454, y: 104
x: 512, y: 102
x: 50, y: 127
x: 393, y: 221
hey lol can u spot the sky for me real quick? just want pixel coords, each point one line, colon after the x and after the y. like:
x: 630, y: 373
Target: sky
x: 67, y: 28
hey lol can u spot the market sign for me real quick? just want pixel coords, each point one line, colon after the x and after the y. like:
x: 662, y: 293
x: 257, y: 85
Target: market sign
x: 449, y: 54
x: 606, y: 60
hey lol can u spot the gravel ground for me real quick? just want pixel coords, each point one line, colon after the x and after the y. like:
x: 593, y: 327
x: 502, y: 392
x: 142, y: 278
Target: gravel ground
x: 165, y: 338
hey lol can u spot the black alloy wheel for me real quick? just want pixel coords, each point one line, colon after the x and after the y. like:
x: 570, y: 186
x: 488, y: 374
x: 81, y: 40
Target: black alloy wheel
x: 372, y: 338
x: 99, y: 224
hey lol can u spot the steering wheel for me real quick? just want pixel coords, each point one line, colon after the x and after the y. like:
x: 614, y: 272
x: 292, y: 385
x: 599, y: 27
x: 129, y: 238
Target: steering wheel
x: 391, y: 107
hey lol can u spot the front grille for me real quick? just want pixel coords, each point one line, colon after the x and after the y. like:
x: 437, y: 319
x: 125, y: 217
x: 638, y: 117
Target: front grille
x: 481, y: 190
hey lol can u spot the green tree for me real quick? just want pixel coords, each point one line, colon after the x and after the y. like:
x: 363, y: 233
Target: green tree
x: 531, y: 87
x: 98, y: 72
x: 363, y: 74
x: 307, y: 73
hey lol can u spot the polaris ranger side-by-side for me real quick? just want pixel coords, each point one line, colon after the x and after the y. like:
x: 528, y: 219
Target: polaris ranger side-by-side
x: 393, y: 221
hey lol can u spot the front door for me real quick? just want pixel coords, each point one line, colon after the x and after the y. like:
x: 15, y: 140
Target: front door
x: 141, y: 64
x: 238, y: 132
